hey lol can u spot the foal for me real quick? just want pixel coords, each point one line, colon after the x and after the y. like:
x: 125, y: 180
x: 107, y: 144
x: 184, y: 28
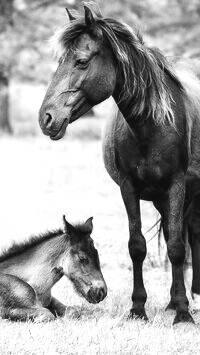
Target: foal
x: 29, y: 271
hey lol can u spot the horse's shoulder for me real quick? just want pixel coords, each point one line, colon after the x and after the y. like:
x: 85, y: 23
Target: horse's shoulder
x: 109, y: 142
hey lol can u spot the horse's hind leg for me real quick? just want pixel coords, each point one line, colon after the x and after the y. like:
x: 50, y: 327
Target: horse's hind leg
x: 160, y: 206
x: 173, y: 215
x: 194, y: 240
x: 137, y: 245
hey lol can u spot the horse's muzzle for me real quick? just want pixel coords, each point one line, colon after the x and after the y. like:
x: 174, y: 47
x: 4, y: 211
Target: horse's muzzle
x: 52, y: 125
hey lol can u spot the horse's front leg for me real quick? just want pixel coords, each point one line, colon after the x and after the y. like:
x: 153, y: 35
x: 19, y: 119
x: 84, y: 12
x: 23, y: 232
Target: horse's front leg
x: 137, y: 245
x: 176, y: 247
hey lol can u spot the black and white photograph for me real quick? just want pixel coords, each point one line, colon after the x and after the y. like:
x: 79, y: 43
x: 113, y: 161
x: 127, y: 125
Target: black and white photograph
x: 100, y: 177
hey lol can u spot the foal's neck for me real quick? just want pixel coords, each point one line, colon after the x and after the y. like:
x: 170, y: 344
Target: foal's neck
x: 35, y: 264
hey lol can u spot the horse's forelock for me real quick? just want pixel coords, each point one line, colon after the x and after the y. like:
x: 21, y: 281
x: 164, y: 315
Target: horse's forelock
x: 63, y: 39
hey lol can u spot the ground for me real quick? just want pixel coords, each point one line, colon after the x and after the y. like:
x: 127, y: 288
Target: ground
x: 40, y: 181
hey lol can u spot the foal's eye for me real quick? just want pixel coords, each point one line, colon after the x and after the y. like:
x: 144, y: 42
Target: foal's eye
x: 83, y: 260
x: 82, y: 63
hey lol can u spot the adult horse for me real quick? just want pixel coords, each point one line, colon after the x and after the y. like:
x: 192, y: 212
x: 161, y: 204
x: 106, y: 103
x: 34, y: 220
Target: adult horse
x: 151, y: 147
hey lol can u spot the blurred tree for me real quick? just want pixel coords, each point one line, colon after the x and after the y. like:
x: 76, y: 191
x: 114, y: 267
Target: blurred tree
x: 25, y: 27
x: 6, y: 11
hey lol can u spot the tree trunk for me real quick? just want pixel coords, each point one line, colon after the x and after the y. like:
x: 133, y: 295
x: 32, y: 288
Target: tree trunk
x: 6, y: 11
x: 4, y: 102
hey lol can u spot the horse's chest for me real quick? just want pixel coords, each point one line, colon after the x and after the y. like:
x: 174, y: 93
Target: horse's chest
x: 148, y: 170
x: 154, y: 168
x: 151, y: 160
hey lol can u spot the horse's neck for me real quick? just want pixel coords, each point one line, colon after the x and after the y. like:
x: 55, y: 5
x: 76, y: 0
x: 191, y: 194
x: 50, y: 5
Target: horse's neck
x: 117, y: 97
x: 143, y: 121
x: 139, y: 125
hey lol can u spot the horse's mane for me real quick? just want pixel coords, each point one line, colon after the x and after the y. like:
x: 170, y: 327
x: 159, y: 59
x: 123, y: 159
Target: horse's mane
x: 143, y: 68
x: 34, y: 240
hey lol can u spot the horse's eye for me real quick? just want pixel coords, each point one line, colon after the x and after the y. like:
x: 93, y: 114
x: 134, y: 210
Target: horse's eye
x: 82, y: 63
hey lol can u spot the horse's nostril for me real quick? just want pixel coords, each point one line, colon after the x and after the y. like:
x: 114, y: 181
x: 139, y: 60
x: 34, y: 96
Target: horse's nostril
x: 48, y: 119
x: 101, y: 293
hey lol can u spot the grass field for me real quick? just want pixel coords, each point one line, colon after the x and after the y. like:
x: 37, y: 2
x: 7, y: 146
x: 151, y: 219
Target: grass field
x: 39, y: 181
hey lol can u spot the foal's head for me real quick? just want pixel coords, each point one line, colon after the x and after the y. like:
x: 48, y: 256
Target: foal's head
x: 81, y: 262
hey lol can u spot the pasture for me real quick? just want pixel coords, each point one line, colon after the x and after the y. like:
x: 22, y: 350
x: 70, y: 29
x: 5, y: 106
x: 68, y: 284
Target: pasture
x: 40, y: 180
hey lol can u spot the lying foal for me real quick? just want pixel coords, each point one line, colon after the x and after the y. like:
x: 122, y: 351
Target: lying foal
x: 29, y: 270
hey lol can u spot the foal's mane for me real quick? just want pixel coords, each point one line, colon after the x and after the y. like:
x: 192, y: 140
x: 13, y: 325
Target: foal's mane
x: 21, y: 247
x: 143, y: 68
x: 34, y: 240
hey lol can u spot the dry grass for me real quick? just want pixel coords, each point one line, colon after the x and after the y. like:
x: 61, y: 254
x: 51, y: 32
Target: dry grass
x: 40, y: 180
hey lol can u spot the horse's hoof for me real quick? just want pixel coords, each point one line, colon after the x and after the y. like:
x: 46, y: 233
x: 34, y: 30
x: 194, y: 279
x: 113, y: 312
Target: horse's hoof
x: 195, y: 304
x: 183, y: 316
x: 138, y: 314
x: 170, y: 306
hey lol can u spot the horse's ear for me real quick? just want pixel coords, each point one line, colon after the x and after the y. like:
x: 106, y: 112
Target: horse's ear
x: 91, y: 23
x: 68, y: 228
x: 71, y: 17
x: 89, y: 18
x: 89, y: 225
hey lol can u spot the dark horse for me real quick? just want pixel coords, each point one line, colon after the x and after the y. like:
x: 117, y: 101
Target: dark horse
x: 151, y: 147
x: 29, y: 270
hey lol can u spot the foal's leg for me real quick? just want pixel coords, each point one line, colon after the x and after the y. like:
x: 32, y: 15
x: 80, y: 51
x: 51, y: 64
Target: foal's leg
x: 56, y: 307
x: 18, y: 301
x: 137, y: 245
x: 39, y: 314
x: 176, y: 247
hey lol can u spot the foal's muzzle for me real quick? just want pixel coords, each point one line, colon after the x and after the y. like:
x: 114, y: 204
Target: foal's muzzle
x: 96, y: 294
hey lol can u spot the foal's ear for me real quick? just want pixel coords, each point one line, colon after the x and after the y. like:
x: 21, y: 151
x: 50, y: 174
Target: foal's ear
x: 68, y: 228
x: 89, y: 225
x: 71, y: 17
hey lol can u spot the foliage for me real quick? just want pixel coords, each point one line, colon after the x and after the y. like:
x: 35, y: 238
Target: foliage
x: 35, y: 21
